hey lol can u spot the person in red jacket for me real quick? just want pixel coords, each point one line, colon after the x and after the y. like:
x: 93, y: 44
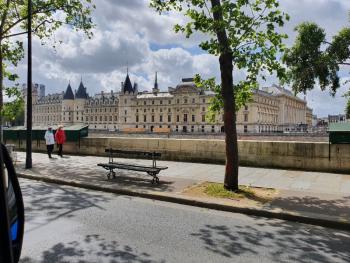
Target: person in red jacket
x: 60, y: 138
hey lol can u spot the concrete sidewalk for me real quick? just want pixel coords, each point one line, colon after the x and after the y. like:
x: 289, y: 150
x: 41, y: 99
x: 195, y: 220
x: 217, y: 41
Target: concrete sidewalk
x: 309, y: 197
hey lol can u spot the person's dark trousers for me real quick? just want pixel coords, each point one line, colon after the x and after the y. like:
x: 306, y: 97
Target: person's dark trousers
x: 60, y: 146
x: 49, y: 149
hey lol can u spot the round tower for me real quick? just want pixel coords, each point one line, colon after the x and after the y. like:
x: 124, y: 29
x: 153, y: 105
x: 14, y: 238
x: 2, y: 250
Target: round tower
x: 68, y: 106
x: 79, y: 103
x: 126, y: 103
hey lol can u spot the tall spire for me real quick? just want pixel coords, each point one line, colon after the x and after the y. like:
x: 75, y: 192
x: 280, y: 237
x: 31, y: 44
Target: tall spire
x: 156, y: 82
x: 155, y: 88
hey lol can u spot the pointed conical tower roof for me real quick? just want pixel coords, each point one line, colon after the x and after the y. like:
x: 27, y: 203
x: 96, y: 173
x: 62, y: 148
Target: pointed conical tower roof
x: 127, y: 84
x: 68, y: 95
x: 81, y: 93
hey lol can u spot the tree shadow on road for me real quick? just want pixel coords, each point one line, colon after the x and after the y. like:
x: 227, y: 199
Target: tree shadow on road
x: 280, y: 241
x: 92, y: 248
x: 48, y: 202
x: 334, y: 207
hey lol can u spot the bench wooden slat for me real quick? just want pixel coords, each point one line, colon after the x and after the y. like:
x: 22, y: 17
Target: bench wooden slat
x: 130, y: 167
x: 149, y: 154
x: 138, y: 165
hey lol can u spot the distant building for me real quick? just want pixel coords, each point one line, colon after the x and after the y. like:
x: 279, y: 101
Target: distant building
x: 41, y: 90
x: 179, y: 109
x: 314, y: 120
x: 336, y: 118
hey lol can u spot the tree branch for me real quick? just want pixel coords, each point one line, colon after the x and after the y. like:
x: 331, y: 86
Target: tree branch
x: 33, y: 31
x: 3, y: 19
x: 44, y: 9
x: 206, y: 6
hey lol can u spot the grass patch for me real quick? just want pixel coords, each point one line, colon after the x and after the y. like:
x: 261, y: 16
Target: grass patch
x: 248, y: 195
x: 218, y: 190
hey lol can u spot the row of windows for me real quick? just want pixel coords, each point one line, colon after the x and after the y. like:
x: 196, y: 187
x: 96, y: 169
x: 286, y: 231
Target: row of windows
x: 185, y: 101
x: 161, y: 110
x: 106, y: 118
x: 185, y: 118
x: 267, y: 101
x: 184, y: 128
x: 70, y: 118
x: 47, y: 109
x: 101, y: 102
x: 101, y: 110
x: 46, y: 118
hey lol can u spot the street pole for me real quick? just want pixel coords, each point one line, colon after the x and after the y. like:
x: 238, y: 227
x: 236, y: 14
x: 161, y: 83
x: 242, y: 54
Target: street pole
x: 29, y: 90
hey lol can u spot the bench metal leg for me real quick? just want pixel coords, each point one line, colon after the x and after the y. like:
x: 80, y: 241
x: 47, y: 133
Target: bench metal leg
x: 111, y: 174
x: 155, y: 178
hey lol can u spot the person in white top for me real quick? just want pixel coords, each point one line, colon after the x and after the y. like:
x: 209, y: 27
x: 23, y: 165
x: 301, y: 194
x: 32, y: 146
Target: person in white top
x: 50, y: 141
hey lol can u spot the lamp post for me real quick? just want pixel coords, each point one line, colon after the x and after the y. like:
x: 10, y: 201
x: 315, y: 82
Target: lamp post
x: 29, y: 91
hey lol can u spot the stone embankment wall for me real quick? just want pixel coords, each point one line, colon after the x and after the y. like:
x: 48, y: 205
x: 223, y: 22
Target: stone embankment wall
x: 312, y: 156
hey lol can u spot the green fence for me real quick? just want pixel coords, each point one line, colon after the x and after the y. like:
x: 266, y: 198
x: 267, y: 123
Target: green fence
x: 339, y: 133
x: 73, y: 133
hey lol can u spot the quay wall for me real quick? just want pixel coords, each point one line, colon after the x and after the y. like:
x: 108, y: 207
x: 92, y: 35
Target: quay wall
x: 309, y: 156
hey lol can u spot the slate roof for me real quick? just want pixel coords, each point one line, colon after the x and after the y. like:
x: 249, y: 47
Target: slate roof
x: 68, y: 95
x: 127, y: 85
x: 81, y: 92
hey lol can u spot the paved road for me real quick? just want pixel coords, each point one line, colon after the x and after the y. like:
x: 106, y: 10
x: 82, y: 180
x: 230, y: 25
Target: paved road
x: 67, y: 224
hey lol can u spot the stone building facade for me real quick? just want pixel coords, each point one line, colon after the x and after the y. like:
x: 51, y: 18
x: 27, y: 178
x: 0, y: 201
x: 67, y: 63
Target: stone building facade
x: 180, y: 109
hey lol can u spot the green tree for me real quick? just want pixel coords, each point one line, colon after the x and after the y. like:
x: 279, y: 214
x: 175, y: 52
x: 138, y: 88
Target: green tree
x: 243, y: 35
x: 347, y: 109
x: 47, y: 17
x: 312, y: 58
x: 13, y: 111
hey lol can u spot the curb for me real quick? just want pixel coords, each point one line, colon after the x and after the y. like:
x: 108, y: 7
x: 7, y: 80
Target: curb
x: 335, y: 224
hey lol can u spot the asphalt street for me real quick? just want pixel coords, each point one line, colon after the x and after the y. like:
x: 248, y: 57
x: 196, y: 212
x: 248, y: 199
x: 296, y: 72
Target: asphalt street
x: 66, y: 224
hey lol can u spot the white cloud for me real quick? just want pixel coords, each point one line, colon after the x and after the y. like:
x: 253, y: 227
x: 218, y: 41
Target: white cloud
x: 130, y: 33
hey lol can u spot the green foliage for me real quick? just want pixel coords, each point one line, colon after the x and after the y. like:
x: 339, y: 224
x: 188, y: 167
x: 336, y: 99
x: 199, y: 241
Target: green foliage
x: 251, y: 27
x: 47, y: 17
x: 243, y: 94
x: 347, y: 109
x: 308, y: 61
x: 13, y: 109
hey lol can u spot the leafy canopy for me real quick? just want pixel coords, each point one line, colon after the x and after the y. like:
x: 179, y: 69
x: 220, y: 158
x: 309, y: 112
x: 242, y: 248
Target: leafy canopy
x: 312, y: 58
x: 253, y: 39
x: 47, y: 17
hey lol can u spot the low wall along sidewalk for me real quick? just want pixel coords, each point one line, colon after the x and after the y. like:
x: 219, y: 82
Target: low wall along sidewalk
x: 313, y: 156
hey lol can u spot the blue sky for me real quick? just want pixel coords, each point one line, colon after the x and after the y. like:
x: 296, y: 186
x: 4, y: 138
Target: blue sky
x: 129, y: 33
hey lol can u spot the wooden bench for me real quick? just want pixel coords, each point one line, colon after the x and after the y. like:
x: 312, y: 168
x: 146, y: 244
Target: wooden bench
x: 152, y: 170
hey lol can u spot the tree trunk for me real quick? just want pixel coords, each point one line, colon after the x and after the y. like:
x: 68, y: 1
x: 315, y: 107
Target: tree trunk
x: 1, y: 93
x: 226, y: 68
x: 231, y: 169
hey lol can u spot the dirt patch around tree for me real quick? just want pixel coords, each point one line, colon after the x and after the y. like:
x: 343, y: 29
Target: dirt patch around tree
x: 246, y: 196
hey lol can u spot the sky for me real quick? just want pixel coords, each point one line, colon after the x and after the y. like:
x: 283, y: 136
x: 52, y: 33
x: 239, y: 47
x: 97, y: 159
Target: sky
x: 130, y: 34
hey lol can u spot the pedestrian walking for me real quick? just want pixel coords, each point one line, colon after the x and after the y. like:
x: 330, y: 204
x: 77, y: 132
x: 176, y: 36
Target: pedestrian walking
x: 60, y: 137
x: 50, y: 141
